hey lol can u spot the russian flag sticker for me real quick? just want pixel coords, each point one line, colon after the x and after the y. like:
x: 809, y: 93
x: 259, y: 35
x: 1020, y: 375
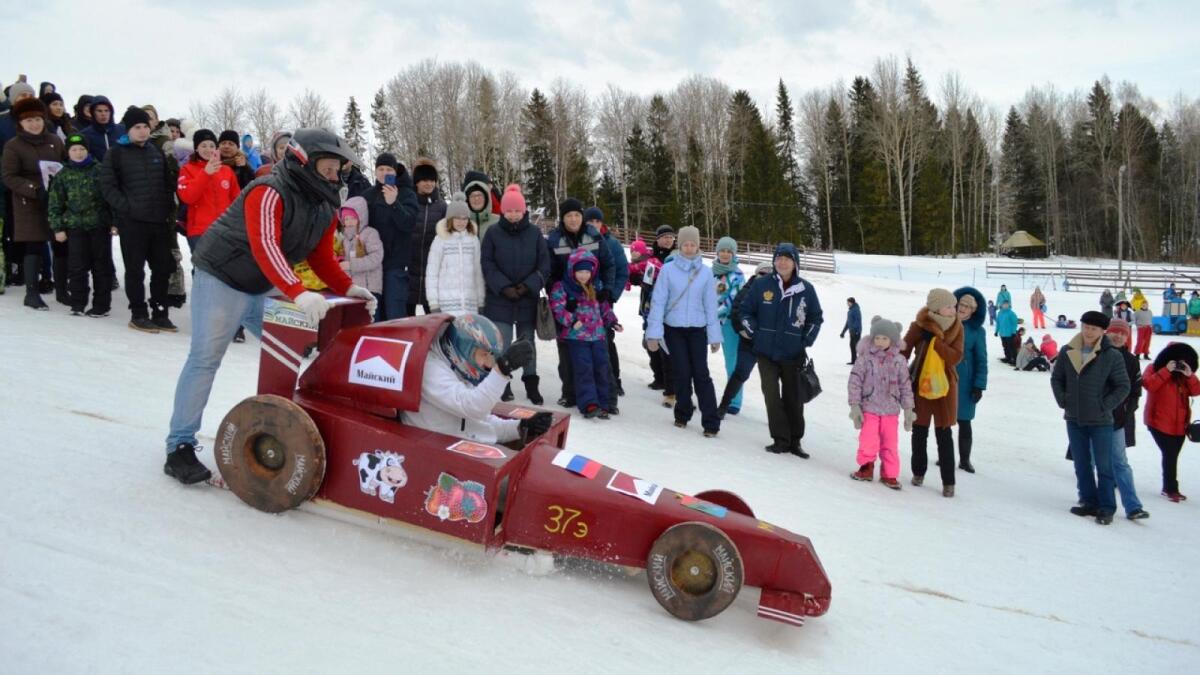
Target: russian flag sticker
x: 588, y: 468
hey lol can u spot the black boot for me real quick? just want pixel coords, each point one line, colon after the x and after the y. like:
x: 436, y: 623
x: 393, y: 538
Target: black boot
x: 162, y: 320
x: 531, y: 389
x: 507, y: 395
x: 32, y: 299
x: 965, y: 441
x: 183, y: 466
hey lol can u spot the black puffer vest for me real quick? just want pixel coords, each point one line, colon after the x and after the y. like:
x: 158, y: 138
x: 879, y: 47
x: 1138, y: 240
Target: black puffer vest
x: 224, y: 250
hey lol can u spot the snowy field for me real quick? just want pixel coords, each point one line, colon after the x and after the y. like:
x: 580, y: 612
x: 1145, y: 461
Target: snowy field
x: 108, y: 566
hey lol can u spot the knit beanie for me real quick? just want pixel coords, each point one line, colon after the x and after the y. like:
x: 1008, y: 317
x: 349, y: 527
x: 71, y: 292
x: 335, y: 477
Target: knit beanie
x: 938, y: 299
x: 51, y: 98
x: 663, y: 229
x: 593, y: 213
x: 568, y: 205
x: 134, y: 116
x: 231, y: 136
x: 689, y: 233
x: 386, y: 159
x: 727, y: 244
x: 512, y: 200
x: 423, y: 169
x: 202, y: 135
x: 457, y: 208
x: 19, y: 88
x: 1094, y: 318
x: 27, y: 108
x: 76, y: 139
x: 881, y: 326
x: 1118, y: 326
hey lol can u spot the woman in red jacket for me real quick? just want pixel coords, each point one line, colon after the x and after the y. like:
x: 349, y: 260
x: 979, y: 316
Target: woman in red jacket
x: 1170, y: 382
x: 206, y: 185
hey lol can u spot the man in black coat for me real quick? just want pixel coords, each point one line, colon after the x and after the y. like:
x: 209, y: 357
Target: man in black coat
x: 392, y: 208
x: 138, y: 183
x: 430, y: 210
x: 1089, y: 382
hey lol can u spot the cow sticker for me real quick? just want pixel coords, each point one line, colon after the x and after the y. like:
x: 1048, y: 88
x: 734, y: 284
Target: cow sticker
x: 381, y: 473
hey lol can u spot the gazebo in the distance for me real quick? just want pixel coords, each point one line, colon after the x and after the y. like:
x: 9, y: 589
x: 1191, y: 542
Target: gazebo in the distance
x: 1021, y: 244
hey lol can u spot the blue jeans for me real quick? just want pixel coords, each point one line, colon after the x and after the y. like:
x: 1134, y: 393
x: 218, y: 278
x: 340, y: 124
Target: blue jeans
x: 1124, y: 474
x: 217, y: 311
x: 1090, y: 443
x: 395, y: 295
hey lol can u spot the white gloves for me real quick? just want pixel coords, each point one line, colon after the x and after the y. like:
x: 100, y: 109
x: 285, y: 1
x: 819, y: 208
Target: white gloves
x: 314, y: 306
x: 910, y: 416
x: 360, y: 292
x: 856, y: 416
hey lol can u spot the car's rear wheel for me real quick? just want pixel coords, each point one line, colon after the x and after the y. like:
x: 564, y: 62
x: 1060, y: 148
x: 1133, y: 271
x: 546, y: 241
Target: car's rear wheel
x: 270, y: 453
x: 694, y: 570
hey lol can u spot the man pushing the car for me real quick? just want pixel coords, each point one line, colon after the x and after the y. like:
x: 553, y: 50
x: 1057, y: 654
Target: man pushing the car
x: 279, y: 220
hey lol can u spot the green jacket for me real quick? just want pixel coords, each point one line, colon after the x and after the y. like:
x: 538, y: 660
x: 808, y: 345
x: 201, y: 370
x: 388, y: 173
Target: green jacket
x: 76, y: 202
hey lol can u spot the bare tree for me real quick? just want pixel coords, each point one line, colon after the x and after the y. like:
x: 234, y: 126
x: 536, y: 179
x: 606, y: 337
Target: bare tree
x: 618, y: 111
x: 227, y: 110
x: 265, y: 115
x: 890, y: 131
x: 199, y: 113
x: 819, y: 149
x: 310, y: 110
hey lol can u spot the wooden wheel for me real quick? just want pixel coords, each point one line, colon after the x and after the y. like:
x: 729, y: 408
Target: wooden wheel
x: 270, y: 453
x: 694, y: 570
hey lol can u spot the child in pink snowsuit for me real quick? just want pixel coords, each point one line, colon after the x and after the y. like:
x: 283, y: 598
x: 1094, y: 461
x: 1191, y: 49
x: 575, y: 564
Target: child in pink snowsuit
x: 880, y: 389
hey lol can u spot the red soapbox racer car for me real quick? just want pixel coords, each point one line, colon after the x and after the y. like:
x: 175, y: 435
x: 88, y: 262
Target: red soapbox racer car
x: 335, y: 434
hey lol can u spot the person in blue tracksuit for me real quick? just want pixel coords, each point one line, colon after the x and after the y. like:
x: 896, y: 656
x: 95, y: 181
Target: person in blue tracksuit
x: 730, y: 281
x: 782, y: 317
x: 854, y: 327
x: 683, y: 315
x: 972, y: 370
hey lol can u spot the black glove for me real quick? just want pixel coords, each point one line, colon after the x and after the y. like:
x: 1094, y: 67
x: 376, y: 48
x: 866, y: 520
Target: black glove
x: 519, y: 355
x: 572, y: 305
x: 843, y: 334
x: 522, y: 289
x: 603, y: 295
x: 511, y: 293
x: 537, y: 425
x: 976, y: 394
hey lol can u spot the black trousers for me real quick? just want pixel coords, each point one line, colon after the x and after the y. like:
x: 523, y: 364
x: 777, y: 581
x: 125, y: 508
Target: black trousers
x: 1169, y: 446
x: 143, y: 243
x: 411, y: 308
x: 781, y: 393
x: 689, y: 363
x: 90, y: 251
x: 660, y: 365
x: 1010, y: 356
x: 854, y: 338
x: 945, y: 451
x: 614, y: 367
x: 566, y: 371
x: 966, y: 437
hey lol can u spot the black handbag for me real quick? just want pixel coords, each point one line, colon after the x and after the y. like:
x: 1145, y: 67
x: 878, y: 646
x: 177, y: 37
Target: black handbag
x: 810, y: 384
x: 545, y: 328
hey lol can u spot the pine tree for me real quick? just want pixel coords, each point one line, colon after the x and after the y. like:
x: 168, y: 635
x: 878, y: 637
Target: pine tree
x: 353, y: 128
x: 386, y: 136
x: 536, y: 131
x: 1021, y: 197
x: 640, y: 182
x: 869, y: 184
x: 662, y: 174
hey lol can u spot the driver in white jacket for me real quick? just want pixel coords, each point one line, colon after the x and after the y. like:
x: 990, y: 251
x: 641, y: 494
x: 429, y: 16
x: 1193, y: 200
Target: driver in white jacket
x: 465, y: 375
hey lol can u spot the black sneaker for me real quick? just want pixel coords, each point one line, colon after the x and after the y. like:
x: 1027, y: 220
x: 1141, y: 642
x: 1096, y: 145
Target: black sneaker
x: 1140, y: 514
x: 710, y: 433
x: 77, y: 312
x: 143, y: 324
x: 680, y: 424
x: 507, y: 395
x: 798, y: 450
x: 96, y: 313
x: 162, y: 322
x: 777, y: 448
x: 240, y: 336
x: 1083, y: 510
x: 183, y: 466
x: 35, y: 302
x: 1103, y: 518
x: 565, y: 402
x: 613, y: 410
x: 967, y: 466
x: 657, y: 386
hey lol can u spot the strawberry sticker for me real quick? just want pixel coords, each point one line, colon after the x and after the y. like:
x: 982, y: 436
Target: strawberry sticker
x: 452, y: 499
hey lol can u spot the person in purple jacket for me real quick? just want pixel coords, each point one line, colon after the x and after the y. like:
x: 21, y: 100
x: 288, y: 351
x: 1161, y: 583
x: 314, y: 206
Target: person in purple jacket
x: 583, y: 318
x: 880, y: 389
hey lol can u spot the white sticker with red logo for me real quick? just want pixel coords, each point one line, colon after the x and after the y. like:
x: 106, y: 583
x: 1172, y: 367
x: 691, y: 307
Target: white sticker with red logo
x: 379, y: 362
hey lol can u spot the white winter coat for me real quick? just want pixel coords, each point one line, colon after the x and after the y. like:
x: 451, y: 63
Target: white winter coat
x: 453, y: 407
x: 453, y: 272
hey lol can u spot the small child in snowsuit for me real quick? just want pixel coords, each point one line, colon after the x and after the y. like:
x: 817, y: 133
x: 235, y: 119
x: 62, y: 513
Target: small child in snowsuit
x: 1029, y: 357
x: 80, y: 216
x: 991, y: 309
x: 362, y: 249
x: 880, y: 389
x: 583, y: 320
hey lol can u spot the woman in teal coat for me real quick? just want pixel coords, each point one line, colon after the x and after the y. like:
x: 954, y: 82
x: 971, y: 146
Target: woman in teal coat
x: 972, y: 370
x: 730, y: 280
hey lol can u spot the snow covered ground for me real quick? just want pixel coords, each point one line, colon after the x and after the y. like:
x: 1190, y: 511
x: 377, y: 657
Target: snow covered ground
x: 108, y: 566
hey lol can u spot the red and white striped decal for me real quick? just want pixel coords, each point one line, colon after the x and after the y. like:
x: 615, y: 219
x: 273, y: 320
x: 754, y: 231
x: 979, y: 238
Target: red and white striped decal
x: 780, y: 615
x: 267, y: 233
x: 292, y: 360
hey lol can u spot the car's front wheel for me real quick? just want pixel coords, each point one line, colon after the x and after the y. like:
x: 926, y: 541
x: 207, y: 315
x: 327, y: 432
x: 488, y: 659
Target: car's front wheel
x: 694, y: 570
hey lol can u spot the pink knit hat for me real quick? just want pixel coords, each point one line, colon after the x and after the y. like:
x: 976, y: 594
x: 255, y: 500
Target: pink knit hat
x: 512, y: 200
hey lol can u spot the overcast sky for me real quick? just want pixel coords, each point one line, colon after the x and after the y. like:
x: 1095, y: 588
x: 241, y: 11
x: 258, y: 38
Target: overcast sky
x: 171, y: 53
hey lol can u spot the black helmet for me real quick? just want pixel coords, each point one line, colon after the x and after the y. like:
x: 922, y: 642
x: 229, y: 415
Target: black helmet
x: 309, y: 145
